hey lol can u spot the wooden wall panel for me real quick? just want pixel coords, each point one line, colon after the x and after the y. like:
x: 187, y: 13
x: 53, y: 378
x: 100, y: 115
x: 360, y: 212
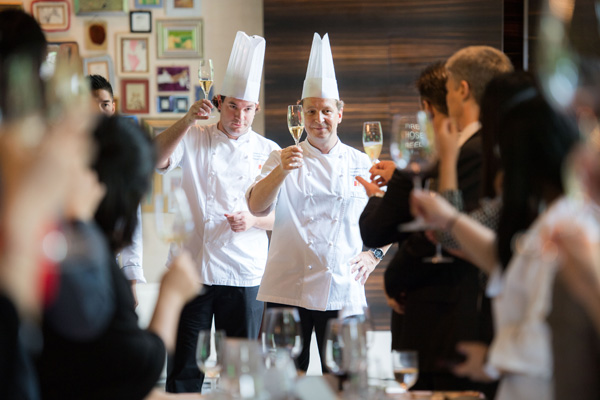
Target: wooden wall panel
x: 379, y: 47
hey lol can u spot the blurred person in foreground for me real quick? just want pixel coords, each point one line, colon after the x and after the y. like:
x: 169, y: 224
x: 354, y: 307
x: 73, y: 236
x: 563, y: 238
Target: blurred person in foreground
x: 442, y: 304
x: 131, y: 257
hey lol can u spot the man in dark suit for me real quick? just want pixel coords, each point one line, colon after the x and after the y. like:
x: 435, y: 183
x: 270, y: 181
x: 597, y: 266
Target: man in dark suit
x: 442, y: 303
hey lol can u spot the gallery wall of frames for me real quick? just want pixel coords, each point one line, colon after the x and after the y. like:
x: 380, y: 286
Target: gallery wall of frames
x: 148, y: 49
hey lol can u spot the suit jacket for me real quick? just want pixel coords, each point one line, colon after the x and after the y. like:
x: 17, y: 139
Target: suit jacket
x: 444, y: 302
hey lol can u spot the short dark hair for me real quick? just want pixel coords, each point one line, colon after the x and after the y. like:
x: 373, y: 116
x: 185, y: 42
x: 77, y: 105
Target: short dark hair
x: 98, y: 82
x: 432, y: 86
x: 124, y: 163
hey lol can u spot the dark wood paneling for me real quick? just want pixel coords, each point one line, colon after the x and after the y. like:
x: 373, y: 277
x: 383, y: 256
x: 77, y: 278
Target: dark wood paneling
x: 379, y: 47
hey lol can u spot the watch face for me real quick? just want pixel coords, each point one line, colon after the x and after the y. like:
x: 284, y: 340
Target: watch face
x: 378, y: 253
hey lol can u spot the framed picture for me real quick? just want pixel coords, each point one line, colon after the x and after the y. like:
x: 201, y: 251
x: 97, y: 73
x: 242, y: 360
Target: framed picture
x: 102, y: 66
x: 95, y: 35
x: 83, y: 7
x: 180, y: 104
x: 140, y: 21
x: 134, y: 94
x: 148, y: 3
x: 173, y: 79
x: 67, y: 50
x: 199, y: 94
x: 132, y: 52
x: 53, y: 16
x: 179, y: 38
x: 164, y: 104
x: 184, y: 8
x: 11, y: 5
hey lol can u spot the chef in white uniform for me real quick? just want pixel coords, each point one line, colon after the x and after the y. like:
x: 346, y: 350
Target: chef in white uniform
x: 229, y: 244
x: 316, y: 261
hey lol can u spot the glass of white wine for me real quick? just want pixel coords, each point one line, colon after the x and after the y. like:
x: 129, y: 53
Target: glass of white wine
x: 372, y: 138
x: 206, y: 77
x: 295, y: 120
x: 209, y: 353
x: 173, y: 217
x: 406, y: 368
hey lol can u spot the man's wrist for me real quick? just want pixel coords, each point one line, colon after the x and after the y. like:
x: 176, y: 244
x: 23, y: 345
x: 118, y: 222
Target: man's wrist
x: 377, y: 253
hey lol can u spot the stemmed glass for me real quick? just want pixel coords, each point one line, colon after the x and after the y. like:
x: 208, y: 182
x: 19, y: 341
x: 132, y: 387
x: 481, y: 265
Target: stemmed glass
x: 206, y: 77
x: 372, y: 139
x: 334, y: 347
x: 173, y: 205
x: 413, y: 150
x: 209, y: 352
x: 406, y: 368
x: 282, y: 331
x: 295, y: 120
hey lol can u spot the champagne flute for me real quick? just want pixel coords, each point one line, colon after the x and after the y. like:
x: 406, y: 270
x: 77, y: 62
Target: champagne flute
x: 295, y: 120
x: 406, y: 368
x: 206, y: 77
x: 173, y: 206
x: 413, y: 150
x: 209, y: 352
x: 372, y: 139
x: 282, y: 331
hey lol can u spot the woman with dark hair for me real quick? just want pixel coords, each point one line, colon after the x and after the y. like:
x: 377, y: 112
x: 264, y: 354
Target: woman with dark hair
x: 123, y: 362
x: 533, y: 142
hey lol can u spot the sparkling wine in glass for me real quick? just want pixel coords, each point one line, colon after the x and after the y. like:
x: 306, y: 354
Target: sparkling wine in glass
x: 406, y: 368
x: 173, y: 217
x: 372, y: 139
x: 282, y: 331
x: 206, y: 76
x: 295, y: 120
x: 209, y: 352
x: 414, y: 152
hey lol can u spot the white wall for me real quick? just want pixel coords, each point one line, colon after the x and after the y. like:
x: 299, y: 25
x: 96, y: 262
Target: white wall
x: 221, y: 20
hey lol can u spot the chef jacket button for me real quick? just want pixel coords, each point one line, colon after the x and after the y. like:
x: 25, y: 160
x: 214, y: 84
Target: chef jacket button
x: 214, y: 153
x: 330, y: 244
x: 246, y: 156
x: 308, y: 174
x: 310, y: 242
x: 310, y: 267
x: 335, y: 220
x: 208, y: 219
x: 311, y: 219
x: 210, y: 197
x: 339, y: 198
x: 241, y: 177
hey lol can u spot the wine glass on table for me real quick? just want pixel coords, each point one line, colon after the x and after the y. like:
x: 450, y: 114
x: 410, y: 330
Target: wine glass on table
x: 282, y: 332
x: 209, y: 353
x: 334, y: 348
x: 206, y: 77
x: 413, y: 151
x: 406, y: 368
x: 173, y: 218
x: 372, y: 139
x: 295, y: 120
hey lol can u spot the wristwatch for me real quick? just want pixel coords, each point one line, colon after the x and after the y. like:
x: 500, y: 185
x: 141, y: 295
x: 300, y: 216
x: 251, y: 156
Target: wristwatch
x: 378, y: 253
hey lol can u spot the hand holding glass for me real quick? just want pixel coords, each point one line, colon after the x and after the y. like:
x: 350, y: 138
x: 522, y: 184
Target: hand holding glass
x: 295, y: 120
x: 206, y: 77
x: 372, y: 139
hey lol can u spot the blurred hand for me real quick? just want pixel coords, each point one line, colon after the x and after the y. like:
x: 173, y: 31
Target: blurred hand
x: 472, y: 367
x: 370, y: 187
x: 382, y: 172
x: 447, y: 140
x: 199, y: 110
x: 182, y: 278
x: 395, y: 305
x: 241, y: 221
x: 291, y: 158
x: 364, y: 264
x: 434, y: 209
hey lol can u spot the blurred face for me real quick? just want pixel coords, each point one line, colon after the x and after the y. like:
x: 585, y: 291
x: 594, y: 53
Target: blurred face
x: 453, y: 97
x: 321, y: 119
x: 437, y: 117
x: 236, y: 116
x: 104, y: 101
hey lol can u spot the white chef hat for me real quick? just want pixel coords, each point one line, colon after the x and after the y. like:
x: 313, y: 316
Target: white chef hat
x: 320, y: 75
x: 244, y: 71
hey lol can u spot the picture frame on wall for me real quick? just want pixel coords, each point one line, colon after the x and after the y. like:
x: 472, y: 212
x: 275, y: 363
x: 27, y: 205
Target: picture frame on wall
x: 148, y: 3
x: 83, y: 7
x: 184, y: 8
x: 102, y: 66
x: 173, y: 78
x: 164, y: 104
x: 11, y: 5
x: 135, y: 95
x: 95, y: 35
x: 179, y: 38
x: 181, y: 104
x: 140, y: 21
x: 53, y: 16
x: 132, y: 54
x: 68, y: 50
